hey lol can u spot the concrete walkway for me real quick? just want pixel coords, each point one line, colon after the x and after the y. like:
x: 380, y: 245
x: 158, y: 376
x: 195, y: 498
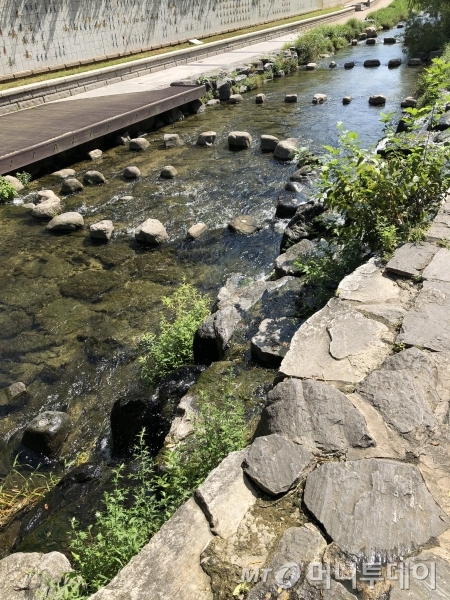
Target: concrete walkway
x: 220, y: 62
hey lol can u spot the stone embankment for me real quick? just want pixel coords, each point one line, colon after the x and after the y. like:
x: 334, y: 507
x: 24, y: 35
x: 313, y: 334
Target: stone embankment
x: 344, y: 492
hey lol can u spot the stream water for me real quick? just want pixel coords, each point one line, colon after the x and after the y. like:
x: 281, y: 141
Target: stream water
x: 71, y: 311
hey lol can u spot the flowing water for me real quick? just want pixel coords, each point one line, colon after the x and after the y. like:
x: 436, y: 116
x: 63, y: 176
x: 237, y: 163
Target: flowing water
x: 71, y: 311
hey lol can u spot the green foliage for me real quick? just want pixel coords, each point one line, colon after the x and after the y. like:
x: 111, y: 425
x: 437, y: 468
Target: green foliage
x: 7, y: 190
x: 172, y: 348
x: 423, y: 35
x: 433, y: 80
x: 141, y: 501
x: 399, y: 10
x: 23, y: 177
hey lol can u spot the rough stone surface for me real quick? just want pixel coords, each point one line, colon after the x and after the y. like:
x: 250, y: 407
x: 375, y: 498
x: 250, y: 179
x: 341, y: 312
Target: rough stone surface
x: 427, y: 324
x: 315, y: 415
x: 196, y: 230
x: 224, y: 88
x: 168, y: 172
x: 226, y: 495
x: 244, y: 224
x: 151, y: 232
x: 138, y: 144
x: 404, y: 390
x: 94, y: 154
x: 171, y: 140
x: 440, y: 228
x: 319, y: 98
x: 275, y: 464
x: 43, y: 195
x: 439, y: 267
x: 93, y: 177
x: 26, y: 576
x: 408, y: 102
x: 374, y: 508
x: 269, y: 142
x: 207, y: 138
x: 377, y: 100
x: 291, y: 98
x: 17, y: 185
x: 63, y: 173
x: 349, y: 64
x: 337, y: 344
x: 235, y: 99
x: 212, y: 337
x: 311, y: 66
x: 271, y: 343
x: 69, y: 221
x: 151, y: 575
x: 371, y: 32
x: 71, y: 186
x: 260, y: 98
x: 47, y: 209
x: 243, y: 297
x: 415, y: 62
x: 394, y: 63
x: 410, y: 259
x: 102, y: 230
x: 131, y: 172
x: 287, y: 204
x: 372, y: 62
x: 285, y: 150
x: 239, y: 139
x: 422, y: 589
x: 46, y: 433
x: 285, y: 264
x: 368, y: 284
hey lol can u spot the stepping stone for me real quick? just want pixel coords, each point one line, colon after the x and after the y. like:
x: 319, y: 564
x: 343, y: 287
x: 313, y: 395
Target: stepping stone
x: 226, y: 495
x: 349, y: 65
x: 373, y: 62
x: 138, y: 144
x: 271, y: 343
x: 207, y: 138
x: 346, y: 100
x: 290, y: 98
x: 69, y: 221
x: 168, y: 172
x: 46, y: 433
x: 410, y: 259
x: 260, y: 98
x: 286, y: 149
x: 394, y: 63
x: 196, y: 230
x: 427, y: 324
x: 404, y: 390
x: 171, y: 140
x: 317, y: 416
x: 269, y: 143
x: 377, y: 100
x: 239, y: 139
x: 276, y: 464
x: 439, y: 267
x: 94, y: 154
x: 244, y: 224
x: 151, y: 232
x: 374, y: 507
x: 102, y: 230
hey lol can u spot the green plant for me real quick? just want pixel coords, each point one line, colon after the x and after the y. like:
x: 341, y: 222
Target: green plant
x: 7, y: 190
x: 23, y: 177
x: 172, y: 348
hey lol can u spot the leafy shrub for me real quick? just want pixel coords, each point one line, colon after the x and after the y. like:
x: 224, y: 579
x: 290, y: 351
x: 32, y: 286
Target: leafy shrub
x: 172, y: 348
x: 432, y: 32
x: 23, y: 177
x: 7, y: 190
x: 142, y: 501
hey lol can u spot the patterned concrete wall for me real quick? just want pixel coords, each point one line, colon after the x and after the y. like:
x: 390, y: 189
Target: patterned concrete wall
x: 42, y: 33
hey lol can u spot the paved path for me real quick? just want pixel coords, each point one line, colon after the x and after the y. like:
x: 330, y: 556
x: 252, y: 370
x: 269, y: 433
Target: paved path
x: 162, y: 79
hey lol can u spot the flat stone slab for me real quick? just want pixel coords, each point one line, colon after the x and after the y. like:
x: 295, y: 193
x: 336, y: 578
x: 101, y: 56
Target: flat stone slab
x: 411, y: 259
x: 429, y: 586
x: 169, y: 565
x: 368, y: 284
x: 337, y: 344
x: 276, y: 464
x: 315, y: 415
x: 440, y: 228
x: 439, y: 267
x: 427, y: 323
x: 404, y: 390
x: 374, y: 508
x: 271, y: 344
x: 226, y: 495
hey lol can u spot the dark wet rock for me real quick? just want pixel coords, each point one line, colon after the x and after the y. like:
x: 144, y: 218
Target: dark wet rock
x: 394, y: 63
x: 374, y: 508
x: 67, y: 222
x: 411, y: 259
x: 408, y: 102
x: 276, y: 464
x: 168, y: 172
x: 377, y: 100
x: 390, y: 40
x: 30, y: 575
x: 354, y: 42
x: 371, y: 42
x: 270, y: 345
x: 404, y: 391
x: 347, y: 100
x: 138, y: 144
x: 171, y: 140
x: 71, y: 186
x: 371, y: 32
x: 207, y: 138
x: 224, y: 88
x: 151, y: 232
x: 244, y: 224
x: 372, y: 62
x: 196, y: 230
x: 316, y: 415
x: 131, y: 172
x: 302, y: 173
x: 13, y: 398
x: 362, y: 36
x: 285, y: 264
x: 239, y: 139
x: 349, y: 65
x: 415, y: 62
x: 46, y: 433
x: 285, y: 150
x: 332, y: 64
x: 268, y: 143
x: 196, y: 107
x: 176, y: 384
x: 287, y: 204
x: 102, y: 230
x: 235, y: 99
x: 299, y: 226
x: 260, y: 98
x: 291, y: 98
x: 212, y: 337
x: 292, y: 186
x: 129, y: 416
x: 81, y: 474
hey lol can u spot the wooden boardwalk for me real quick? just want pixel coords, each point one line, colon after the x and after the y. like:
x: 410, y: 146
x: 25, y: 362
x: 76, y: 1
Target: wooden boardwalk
x: 34, y: 134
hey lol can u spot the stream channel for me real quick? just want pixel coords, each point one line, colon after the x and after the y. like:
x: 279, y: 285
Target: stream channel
x: 72, y: 311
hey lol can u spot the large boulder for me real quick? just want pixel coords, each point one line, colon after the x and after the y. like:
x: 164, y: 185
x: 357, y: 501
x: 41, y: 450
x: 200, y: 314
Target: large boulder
x: 93, y: 178
x: 70, y: 185
x: 239, y: 139
x: 315, y: 415
x: 47, y: 209
x: 374, y: 507
x: 285, y: 150
x: 276, y: 464
x: 207, y: 138
x: 286, y: 264
x: 138, y: 144
x: 244, y: 224
x: 17, y: 185
x: 224, y: 88
x: 151, y: 232
x: 271, y: 343
x: 32, y: 575
x: 102, y: 230
x: 69, y: 221
x: 46, y: 433
x: 214, y: 334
